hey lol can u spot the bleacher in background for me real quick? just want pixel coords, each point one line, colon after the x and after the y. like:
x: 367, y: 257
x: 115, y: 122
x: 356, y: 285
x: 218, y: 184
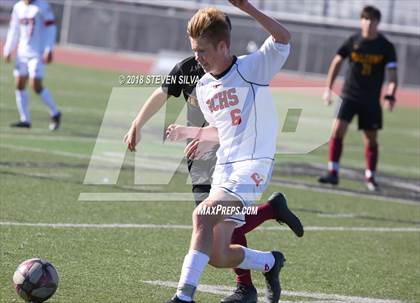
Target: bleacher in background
x: 318, y: 27
x: 394, y: 12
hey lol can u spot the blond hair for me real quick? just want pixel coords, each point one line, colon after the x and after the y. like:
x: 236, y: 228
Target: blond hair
x: 210, y: 23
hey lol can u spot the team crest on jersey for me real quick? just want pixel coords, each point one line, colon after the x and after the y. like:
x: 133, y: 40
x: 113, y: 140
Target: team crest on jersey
x: 256, y: 177
x: 355, y: 46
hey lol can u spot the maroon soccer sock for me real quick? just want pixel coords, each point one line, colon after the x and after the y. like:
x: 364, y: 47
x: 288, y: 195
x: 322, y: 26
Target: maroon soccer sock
x: 243, y: 276
x: 265, y: 212
x: 371, y: 156
x: 335, y: 150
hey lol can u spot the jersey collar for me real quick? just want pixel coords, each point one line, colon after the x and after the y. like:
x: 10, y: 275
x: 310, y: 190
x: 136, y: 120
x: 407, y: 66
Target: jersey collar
x: 227, y: 70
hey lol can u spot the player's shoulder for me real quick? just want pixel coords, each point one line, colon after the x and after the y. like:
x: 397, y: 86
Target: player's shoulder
x: 20, y: 5
x: 43, y: 5
x: 384, y: 39
x: 355, y: 37
x: 205, y: 79
x: 189, y: 66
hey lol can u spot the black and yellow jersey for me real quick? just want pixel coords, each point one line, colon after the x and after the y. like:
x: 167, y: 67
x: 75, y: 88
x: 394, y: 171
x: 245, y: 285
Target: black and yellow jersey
x: 368, y: 60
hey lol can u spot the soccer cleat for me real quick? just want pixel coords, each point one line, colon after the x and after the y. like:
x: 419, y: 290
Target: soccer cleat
x: 21, y: 124
x: 242, y: 294
x: 272, y: 279
x: 175, y: 299
x: 329, y: 178
x: 55, y: 122
x: 371, y: 184
x: 284, y: 215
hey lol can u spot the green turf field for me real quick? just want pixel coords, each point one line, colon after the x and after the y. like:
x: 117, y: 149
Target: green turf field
x: 358, y: 247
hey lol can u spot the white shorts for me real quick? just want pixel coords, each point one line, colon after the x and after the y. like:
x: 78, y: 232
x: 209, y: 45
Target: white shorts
x: 29, y: 66
x: 245, y: 180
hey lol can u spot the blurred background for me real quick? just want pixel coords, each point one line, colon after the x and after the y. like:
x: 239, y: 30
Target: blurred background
x: 318, y: 27
x: 108, y: 239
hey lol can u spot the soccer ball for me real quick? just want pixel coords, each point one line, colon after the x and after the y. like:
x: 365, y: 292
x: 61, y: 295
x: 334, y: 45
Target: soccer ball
x: 35, y: 280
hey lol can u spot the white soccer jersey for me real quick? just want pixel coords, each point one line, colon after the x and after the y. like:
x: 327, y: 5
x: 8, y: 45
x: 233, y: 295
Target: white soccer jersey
x: 33, y: 27
x: 240, y: 105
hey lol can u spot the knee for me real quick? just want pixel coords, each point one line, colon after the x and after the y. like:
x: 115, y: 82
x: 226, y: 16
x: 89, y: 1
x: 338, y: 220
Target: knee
x: 20, y: 85
x: 338, y: 134
x: 218, y: 259
x: 37, y: 87
x: 339, y: 129
x: 372, y: 144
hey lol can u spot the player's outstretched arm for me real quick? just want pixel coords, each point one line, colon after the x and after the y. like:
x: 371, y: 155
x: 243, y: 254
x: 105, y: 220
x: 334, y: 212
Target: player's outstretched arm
x: 333, y: 71
x: 273, y: 27
x: 176, y: 132
x: 391, y: 89
x: 153, y: 104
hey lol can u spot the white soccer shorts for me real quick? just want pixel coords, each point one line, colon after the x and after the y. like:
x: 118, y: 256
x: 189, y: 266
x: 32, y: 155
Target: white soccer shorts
x: 245, y: 180
x: 32, y: 67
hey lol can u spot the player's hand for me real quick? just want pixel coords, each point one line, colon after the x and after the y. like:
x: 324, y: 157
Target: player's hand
x: 196, y: 148
x: 7, y: 58
x: 327, y: 96
x: 389, y: 102
x: 132, y: 137
x: 176, y: 132
x: 48, y: 57
x: 239, y: 3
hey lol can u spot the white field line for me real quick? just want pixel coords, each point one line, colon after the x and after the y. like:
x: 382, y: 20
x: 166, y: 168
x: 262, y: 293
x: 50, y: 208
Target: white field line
x: 173, y: 227
x: 325, y: 189
x: 41, y: 150
x: 140, y: 197
x: 336, y: 215
x: 316, y: 297
x: 134, y: 197
x: 44, y: 137
x: 64, y: 109
x: 105, y: 197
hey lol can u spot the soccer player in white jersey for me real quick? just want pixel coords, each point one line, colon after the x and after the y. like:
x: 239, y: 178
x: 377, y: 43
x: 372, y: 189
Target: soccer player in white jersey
x: 32, y: 29
x: 242, y: 117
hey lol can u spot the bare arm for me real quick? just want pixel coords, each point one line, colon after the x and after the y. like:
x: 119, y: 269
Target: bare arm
x: 333, y: 71
x: 273, y: 27
x: 391, y: 89
x: 12, y: 36
x: 153, y: 104
x: 177, y: 132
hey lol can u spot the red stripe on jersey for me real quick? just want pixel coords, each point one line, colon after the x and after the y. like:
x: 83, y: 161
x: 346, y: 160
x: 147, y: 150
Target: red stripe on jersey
x: 49, y: 22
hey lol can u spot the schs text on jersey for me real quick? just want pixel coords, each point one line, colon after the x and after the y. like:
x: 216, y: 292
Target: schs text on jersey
x: 223, y: 99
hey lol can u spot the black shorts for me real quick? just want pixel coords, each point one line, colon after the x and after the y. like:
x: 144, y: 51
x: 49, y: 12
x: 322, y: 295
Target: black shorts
x: 370, y: 115
x: 200, y: 192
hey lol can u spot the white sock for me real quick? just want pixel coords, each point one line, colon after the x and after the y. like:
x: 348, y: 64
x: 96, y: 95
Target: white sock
x: 192, y: 268
x: 49, y: 101
x: 369, y: 173
x: 333, y: 166
x: 261, y: 261
x: 22, y: 102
